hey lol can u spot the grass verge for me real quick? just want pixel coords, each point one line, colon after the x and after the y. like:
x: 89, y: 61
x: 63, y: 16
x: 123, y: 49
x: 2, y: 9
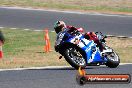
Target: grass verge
x: 85, y: 5
x: 26, y: 49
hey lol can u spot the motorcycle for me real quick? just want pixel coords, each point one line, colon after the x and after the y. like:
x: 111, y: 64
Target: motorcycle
x: 79, y: 51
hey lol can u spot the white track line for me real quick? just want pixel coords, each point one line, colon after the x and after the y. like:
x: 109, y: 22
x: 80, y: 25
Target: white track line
x: 125, y: 63
x: 31, y: 68
x: 71, y: 12
x: 48, y: 67
x: 54, y: 31
x: 37, y: 30
x: 26, y: 29
x: 13, y: 28
x: 1, y: 27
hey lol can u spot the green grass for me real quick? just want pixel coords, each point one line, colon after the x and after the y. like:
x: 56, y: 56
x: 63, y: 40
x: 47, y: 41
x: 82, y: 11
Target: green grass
x: 85, y: 5
x: 26, y: 49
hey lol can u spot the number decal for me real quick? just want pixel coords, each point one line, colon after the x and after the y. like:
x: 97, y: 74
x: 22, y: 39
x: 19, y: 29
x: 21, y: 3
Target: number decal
x: 59, y: 38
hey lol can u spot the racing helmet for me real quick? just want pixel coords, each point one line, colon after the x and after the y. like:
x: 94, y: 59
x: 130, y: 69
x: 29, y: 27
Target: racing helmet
x: 59, y: 26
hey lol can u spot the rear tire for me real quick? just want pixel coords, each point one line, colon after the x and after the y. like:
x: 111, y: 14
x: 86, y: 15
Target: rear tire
x: 75, y: 57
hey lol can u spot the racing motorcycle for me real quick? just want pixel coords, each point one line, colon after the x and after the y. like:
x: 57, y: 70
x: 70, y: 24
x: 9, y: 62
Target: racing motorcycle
x: 79, y: 51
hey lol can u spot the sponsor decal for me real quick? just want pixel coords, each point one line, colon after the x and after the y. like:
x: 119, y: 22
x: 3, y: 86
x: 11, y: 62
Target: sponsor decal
x: 83, y: 78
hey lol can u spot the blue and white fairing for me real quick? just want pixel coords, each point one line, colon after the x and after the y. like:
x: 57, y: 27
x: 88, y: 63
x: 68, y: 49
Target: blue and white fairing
x: 92, y: 52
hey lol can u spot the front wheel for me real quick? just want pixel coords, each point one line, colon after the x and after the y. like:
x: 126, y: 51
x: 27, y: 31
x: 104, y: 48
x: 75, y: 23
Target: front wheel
x: 113, y: 60
x: 75, y: 57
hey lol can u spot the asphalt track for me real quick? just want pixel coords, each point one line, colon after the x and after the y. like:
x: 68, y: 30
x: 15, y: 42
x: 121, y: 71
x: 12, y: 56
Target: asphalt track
x: 63, y: 77
x: 58, y: 78
x: 119, y: 25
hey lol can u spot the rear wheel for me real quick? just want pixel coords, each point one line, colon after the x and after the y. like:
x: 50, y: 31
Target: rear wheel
x: 75, y: 57
x: 113, y: 60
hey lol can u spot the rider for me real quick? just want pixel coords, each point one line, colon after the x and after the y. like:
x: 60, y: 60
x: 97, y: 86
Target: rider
x: 61, y: 26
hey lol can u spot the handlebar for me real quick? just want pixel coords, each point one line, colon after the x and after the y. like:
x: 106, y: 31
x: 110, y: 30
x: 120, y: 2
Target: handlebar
x: 100, y: 36
x: 100, y: 33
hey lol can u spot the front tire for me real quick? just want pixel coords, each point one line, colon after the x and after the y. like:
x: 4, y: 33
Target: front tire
x: 75, y: 57
x: 113, y: 60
